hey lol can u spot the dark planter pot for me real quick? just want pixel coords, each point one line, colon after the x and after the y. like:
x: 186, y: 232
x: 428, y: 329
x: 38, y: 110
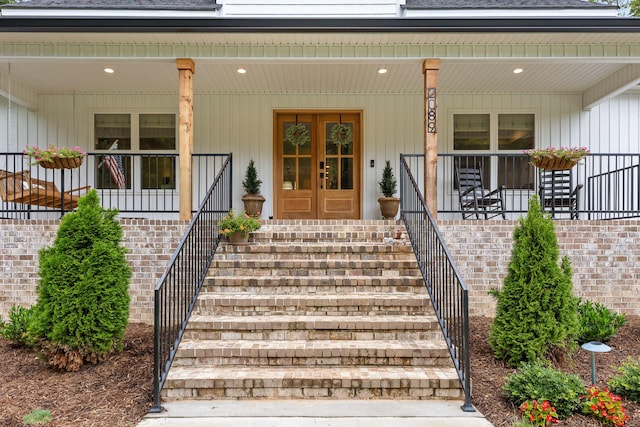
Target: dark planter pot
x: 253, y: 204
x: 389, y: 207
x: 239, y: 238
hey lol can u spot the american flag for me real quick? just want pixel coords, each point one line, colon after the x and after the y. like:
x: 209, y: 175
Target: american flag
x: 114, y: 164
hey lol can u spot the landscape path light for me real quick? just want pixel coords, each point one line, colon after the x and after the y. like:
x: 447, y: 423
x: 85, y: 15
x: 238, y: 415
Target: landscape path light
x: 594, y: 347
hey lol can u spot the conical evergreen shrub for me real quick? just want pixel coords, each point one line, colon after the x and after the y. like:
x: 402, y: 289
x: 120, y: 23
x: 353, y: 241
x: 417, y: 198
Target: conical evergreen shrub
x: 251, y: 183
x: 83, y: 294
x: 536, y: 310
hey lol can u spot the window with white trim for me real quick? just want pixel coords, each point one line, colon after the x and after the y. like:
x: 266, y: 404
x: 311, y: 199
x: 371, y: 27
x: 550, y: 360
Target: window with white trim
x: 496, y: 133
x: 148, y: 136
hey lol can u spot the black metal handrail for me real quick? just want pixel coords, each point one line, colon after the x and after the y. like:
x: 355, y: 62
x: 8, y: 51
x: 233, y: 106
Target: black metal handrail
x: 622, y: 198
x: 448, y: 292
x: 177, y: 290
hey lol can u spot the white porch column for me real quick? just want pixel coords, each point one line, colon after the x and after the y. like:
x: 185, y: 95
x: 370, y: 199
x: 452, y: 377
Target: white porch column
x: 186, y: 69
x: 430, y: 69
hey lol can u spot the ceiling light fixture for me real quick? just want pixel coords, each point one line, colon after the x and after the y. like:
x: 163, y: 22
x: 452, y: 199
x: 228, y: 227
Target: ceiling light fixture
x: 241, y: 70
x: 109, y: 70
x: 382, y: 70
x: 518, y: 70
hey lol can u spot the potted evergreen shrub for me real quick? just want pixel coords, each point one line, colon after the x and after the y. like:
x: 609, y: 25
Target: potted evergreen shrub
x: 389, y: 204
x: 252, y: 198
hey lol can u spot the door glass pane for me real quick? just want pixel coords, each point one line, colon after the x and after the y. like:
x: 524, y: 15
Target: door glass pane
x: 346, y: 174
x: 157, y: 131
x: 304, y: 173
x: 331, y: 174
x: 297, y: 138
x: 471, y: 132
x: 330, y: 148
x: 339, y: 138
x: 111, y: 127
x: 289, y: 172
x: 516, y: 131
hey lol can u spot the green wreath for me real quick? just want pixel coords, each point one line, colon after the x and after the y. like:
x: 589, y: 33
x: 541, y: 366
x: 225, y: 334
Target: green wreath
x: 341, y: 135
x: 297, y: 134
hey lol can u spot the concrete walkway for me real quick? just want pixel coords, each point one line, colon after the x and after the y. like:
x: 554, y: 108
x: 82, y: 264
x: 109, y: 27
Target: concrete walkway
x: 321, y: 413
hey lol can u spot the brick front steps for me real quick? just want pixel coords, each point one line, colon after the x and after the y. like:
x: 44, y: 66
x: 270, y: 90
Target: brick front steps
x: 317, y: 310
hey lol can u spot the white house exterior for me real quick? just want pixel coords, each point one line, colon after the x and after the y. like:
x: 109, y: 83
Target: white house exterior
x: 318, y: 61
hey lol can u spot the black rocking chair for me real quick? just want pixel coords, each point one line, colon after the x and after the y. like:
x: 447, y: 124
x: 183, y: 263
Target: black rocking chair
x: 558, y: 194
x: 475, y: 200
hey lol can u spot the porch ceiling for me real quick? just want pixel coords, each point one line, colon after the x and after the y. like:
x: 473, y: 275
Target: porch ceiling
x: 305, y: 76
x: 36, y: 69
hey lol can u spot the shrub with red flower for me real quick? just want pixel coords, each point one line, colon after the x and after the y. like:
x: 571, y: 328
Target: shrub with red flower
x: 605, y: 406
x: 539, y: 414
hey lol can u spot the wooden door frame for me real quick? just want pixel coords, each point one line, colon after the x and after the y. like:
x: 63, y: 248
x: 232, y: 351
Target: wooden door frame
x: 276, y: 177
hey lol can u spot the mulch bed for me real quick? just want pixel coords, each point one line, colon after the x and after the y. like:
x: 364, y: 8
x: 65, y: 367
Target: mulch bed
x: 118, y: 392
x: 115, y: 393
x: 488, y: 375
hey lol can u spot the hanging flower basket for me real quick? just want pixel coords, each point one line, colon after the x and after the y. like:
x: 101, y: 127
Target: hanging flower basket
x: 55, y: 157
x: 341, y: 135
x: 297, y: 134
x: 555, y: 159
x: 554, y: 164
x: 61, y: 163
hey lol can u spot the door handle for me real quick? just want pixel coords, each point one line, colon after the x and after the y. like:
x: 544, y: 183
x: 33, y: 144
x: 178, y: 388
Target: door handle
x: 321, y: 174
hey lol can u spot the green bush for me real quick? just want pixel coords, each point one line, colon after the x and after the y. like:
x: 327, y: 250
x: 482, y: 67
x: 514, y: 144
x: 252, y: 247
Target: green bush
x: 536, y: 310
x: 597, y: 322
x: 83, y: 295
x: 627, y: 383
x: 534, y: 381
x: 388, y: 184
x: 16, y: 329
x: 251, y: 183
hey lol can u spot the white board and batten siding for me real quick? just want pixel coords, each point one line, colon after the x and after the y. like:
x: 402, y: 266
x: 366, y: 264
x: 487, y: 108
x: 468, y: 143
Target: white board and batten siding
x: 319, y: 8
x: 392, y: 124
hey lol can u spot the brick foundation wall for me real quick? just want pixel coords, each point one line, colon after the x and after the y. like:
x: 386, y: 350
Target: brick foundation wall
x: 150, y: 242
x: 605, y: 256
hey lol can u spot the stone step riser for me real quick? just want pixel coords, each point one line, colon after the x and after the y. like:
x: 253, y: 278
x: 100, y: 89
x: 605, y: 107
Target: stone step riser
x: 205, y: 310
x: 331, y: 249
x: 304, y: 272
x: 300, y: 386
x: 269, y: 289
x: 270, y: 393
x: 433, y: 361
x: 321, y: 335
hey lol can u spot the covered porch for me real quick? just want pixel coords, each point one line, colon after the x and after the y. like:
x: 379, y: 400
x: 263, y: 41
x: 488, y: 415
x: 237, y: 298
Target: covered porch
x: 577, y: 84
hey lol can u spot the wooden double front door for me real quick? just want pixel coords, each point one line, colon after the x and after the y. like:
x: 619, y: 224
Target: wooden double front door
x: 317, y: 165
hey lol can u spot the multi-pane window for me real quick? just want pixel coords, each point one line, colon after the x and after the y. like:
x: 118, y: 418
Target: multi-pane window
x: 148, y: 136
x: 505, y: 134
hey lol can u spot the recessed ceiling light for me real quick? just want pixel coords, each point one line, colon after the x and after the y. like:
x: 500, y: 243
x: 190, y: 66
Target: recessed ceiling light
x: 382, y: 70
x: 241, y: 70
x: 518, y: 70
x: 109, y: 70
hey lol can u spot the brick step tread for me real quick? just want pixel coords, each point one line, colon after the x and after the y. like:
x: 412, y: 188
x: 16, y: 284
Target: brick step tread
x: 320, y: 280
x: 310, y: 272
x: 330, y: 304
x: 317, y: 247
x: 309, y: 349
x: 317, y: 377
x: 307, y: 263
x: 250, y: 299
x: 296, y: 322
